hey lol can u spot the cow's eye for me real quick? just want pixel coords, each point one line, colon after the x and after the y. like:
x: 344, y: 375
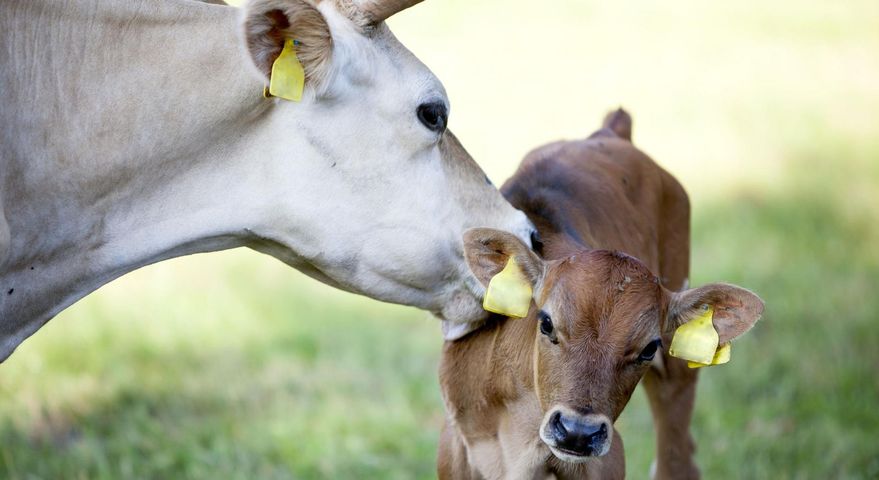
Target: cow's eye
x: 433, y: 115
x: 649, y: 351
x: 546, y: 326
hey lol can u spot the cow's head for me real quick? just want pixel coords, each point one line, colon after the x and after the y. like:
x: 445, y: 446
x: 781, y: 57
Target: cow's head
x: 599, y: 319
x: 367, y: 190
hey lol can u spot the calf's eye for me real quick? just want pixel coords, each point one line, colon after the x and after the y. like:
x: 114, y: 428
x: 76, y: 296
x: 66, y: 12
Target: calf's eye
x: 649, y: 351
x: 546, y: 327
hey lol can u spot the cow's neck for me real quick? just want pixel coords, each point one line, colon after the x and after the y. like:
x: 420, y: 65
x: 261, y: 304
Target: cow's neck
x: 158, y: 135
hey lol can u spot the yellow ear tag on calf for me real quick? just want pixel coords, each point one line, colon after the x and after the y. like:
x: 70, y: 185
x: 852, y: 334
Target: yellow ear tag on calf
x: 696, y: 340
x: 509, y: 292
x: 288, y: 76
x: 721, y: 356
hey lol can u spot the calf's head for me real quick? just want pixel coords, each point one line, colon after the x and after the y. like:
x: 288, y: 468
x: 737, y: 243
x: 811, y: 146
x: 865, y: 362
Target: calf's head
x: 364, y: 187
x: 599, y: 320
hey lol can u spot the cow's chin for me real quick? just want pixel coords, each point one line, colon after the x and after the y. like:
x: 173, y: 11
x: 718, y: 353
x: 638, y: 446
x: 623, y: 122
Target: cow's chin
x: 461, y: 314
x: 570, y: 457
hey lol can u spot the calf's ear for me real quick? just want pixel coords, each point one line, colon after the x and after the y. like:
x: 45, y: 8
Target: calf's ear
x: 488, y: 251
x: 269, y: 23
x: 736, y: 310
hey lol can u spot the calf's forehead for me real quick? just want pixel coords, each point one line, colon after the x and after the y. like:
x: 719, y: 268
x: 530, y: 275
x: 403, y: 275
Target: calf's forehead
x: 604, y: 296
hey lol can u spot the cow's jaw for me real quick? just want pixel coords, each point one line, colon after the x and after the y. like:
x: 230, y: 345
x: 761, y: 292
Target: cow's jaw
x: 399, y: 196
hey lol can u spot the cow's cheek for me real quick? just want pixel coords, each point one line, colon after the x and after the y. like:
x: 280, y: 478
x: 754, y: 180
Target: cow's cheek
x: 549, y: 374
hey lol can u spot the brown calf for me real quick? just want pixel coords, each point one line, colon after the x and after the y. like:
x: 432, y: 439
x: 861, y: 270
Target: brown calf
x: 535, y: 397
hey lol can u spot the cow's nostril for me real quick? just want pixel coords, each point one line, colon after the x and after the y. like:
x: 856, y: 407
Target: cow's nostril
x: 558, y: 430
x: 601, y: 435
x: 578, y: 435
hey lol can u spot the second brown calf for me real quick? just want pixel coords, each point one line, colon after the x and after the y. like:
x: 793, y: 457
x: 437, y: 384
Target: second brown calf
x: 536, y: 397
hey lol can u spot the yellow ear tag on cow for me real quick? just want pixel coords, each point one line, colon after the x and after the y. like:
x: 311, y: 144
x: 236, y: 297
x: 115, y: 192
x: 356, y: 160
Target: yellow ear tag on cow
x: 721, y: 356
x: 696, y: 340
x: 288, y: 76
x: 509, y: 292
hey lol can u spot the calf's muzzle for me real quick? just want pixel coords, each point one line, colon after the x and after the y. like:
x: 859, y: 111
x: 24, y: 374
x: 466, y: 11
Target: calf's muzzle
x: 570, y: 434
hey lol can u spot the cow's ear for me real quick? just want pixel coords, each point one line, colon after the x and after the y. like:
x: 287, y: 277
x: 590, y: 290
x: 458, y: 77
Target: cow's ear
x: 488, y: 251
x: 269, y: 23
x: 735, y: 310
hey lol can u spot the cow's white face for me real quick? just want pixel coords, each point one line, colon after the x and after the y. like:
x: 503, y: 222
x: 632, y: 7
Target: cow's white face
x: 366, y: 190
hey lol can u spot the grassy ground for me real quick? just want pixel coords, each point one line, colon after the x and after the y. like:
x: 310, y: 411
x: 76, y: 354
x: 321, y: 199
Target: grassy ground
x: 232, y: 366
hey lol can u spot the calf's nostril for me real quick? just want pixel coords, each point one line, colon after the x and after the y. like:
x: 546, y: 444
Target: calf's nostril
x: 600, y: 435
x: 555, y: 425
x: 580, y: 435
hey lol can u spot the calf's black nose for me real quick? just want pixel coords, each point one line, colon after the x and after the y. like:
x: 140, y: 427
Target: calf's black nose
x: 577, y: 435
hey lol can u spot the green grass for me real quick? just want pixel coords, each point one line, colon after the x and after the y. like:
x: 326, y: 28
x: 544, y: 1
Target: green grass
x: 230, y: 365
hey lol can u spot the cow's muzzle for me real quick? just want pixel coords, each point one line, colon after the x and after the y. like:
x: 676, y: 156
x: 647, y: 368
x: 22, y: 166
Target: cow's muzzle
x: 574, y: 437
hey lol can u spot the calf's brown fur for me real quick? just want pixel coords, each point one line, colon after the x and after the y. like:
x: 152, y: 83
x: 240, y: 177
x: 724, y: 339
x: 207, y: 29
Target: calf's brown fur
x: 537, y: 397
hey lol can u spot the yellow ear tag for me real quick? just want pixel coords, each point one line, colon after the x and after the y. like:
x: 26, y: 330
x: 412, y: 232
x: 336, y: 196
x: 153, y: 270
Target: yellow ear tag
x: 509, y: 292
x: 696, y: 340
x: 288, y: 76
x: 721, y: 356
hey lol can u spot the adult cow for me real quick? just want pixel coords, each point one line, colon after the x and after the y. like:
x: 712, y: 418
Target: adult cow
x: 136, y: 130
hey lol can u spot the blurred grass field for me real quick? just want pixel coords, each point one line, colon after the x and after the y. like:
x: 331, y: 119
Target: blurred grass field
x: 231, y: 365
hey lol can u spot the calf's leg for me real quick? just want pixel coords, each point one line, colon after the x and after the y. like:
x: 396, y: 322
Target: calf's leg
x: 671, y: 389
x: 670, y: 384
